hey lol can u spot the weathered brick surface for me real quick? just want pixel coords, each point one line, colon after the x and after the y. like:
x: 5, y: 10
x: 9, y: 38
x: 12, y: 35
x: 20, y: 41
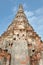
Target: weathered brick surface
x: 23, y: 44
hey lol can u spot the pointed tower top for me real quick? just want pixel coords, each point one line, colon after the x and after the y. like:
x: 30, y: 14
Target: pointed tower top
x: 20, y: 20
x: 20, y: 8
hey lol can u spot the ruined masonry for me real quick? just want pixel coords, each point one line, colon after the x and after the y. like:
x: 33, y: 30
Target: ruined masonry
x: 20, y: 44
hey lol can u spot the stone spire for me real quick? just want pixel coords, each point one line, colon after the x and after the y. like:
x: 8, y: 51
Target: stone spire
x: 20, y: 8
x: 20, y: 14
x: 20, y: 18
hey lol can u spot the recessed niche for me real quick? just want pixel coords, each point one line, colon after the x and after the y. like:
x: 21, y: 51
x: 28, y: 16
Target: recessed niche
x: 20, y: 29
x: 11, y: 44
x: 17, y: 34
x: 23, y: 29
x: 26, y: 30
x: 33, y: 50
x: 23, y: 34
x: 6, y: 50
x: 14, y: 39
x: 25, y: 39
x: 29, y: 45
x: 0, y: 49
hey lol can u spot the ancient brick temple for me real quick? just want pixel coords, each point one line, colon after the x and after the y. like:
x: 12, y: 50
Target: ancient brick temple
x: 20, y: 44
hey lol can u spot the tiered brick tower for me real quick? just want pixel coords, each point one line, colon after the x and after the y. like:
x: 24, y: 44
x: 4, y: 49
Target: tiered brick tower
x: 21, y: 43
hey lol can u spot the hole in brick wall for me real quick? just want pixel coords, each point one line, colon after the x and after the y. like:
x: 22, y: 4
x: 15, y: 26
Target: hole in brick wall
x: 6, y: 50
x: 23, y: 34
x: 11, y: 44
x: 26, y: 30
x: 20, y: 29
x: 0, y: 49
x: 29, y: 44
x: 33, y: 50
x: 17, y: 34
x: 14, y: 39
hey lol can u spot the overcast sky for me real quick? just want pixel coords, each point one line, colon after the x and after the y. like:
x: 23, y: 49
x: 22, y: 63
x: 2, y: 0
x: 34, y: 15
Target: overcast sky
x: 32, y: 8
